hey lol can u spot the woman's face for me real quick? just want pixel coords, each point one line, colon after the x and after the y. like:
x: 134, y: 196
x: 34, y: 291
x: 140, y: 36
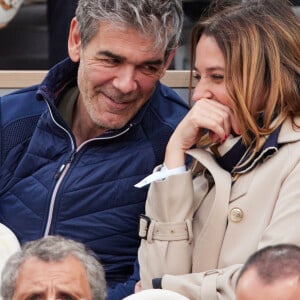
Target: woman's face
x: 210, y: 76
x: 210, y: 72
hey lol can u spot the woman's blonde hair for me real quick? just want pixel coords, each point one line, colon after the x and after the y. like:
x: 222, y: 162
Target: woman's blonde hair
x: 260, y: 41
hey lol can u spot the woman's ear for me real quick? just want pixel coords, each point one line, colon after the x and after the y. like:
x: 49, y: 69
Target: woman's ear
x: 74, y: 41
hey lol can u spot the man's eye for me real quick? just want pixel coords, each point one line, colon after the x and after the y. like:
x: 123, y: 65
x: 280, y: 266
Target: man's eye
x: 34, y: 297
x: 109, y: 61
x: 65, y: 296
x: 149, y: 69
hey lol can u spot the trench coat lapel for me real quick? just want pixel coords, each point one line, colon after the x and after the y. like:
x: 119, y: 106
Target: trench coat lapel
x: 213, y: 231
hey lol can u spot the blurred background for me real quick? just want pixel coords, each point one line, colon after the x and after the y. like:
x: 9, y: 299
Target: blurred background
x: 36, y: 38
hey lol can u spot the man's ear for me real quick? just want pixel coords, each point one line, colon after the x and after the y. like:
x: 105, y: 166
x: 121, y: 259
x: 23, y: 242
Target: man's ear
x: 168, y: 61
x: 74, y: 41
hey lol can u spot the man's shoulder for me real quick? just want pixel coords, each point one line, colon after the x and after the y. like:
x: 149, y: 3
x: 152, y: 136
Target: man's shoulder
x: 164, y: 111
x: 20, y: 94
x: 20, y: 103
x: 167, y: 105
x: 170, y: 95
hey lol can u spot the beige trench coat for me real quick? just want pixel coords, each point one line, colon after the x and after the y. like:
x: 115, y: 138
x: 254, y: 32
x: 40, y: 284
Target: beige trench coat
x: 208, y: 235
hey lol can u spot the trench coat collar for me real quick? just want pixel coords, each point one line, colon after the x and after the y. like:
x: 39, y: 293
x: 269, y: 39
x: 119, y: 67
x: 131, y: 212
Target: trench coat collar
x: 234, y: 157
x: 288, y: 132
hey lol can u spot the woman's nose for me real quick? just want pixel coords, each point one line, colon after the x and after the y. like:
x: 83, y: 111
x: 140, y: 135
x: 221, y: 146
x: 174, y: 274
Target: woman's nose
x: 202, y: 90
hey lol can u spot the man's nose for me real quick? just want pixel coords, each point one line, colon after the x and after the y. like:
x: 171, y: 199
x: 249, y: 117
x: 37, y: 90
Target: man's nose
x: 125, y: 79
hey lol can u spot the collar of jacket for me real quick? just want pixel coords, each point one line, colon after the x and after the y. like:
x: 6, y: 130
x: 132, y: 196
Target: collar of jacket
x: 268, y: 149
x: 286, y: 133
x: 58, y: 77
x: 233, y: 154
x: 236, y: 159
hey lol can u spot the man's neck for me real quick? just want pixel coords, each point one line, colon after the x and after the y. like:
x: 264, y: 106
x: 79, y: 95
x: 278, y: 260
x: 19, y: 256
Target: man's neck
x: 82, y: 126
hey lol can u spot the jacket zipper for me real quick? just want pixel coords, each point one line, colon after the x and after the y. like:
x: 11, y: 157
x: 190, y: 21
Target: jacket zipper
x: 60, y: 175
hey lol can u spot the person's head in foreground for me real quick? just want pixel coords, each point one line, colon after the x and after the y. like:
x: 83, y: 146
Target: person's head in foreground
x: 271, y: 273
x: 53, y: 268
x: 246, y: 63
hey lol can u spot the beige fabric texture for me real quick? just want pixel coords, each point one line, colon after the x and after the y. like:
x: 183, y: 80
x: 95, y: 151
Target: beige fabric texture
x: 206, y: 268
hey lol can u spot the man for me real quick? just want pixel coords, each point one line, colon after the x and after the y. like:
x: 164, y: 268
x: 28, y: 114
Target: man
x: 53, y: 268
x: 73, y: 147
x: 271, y: 273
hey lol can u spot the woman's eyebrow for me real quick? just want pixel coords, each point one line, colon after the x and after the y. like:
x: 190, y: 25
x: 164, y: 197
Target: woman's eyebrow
x: 210, y: 69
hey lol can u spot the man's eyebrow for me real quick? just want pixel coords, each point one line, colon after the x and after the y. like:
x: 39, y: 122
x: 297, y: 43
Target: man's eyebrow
x: 111, y: 55
x: 122, y: 58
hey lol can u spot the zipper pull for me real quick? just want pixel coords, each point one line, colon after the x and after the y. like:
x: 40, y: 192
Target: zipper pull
x: 57, y: 175
x: 63, y: 166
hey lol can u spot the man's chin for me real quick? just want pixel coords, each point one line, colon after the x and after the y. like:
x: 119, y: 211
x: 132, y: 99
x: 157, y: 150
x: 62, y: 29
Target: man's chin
x: 112, y: 126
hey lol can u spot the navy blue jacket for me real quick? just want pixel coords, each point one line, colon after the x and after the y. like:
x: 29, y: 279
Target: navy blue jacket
x: 48, y: 186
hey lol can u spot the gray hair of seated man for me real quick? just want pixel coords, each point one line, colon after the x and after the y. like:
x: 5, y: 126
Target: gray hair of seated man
x: 160, y: 19
x: 54, y: 249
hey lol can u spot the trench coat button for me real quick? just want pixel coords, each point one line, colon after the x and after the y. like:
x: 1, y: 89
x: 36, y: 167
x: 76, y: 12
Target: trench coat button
x: 236, y: 215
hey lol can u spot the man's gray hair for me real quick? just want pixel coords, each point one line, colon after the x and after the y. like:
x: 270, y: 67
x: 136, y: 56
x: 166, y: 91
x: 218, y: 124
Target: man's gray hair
x: 54, y: 249
x: 159, y: 19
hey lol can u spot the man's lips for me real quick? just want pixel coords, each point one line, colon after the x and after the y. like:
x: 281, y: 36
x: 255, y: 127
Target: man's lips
x: 117, y: 104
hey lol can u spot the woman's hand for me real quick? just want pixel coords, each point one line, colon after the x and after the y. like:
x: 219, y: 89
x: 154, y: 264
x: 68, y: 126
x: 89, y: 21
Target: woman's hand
x: 206, y: 116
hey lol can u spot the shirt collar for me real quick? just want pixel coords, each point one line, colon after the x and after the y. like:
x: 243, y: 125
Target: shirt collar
x: 238, y: 160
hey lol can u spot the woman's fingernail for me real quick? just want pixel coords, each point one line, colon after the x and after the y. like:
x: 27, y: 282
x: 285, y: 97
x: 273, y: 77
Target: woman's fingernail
x: 224, y: 139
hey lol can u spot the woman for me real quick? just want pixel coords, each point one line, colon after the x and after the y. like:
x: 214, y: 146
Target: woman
x: 242, y: 192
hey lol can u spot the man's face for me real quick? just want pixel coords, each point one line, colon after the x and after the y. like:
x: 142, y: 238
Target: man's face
x: 117, y: 74
x: 251, y: 287
x: 65, y: 280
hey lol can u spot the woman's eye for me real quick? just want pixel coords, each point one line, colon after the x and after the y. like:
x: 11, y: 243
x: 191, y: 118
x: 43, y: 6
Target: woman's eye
x: 212, y: 77
x: 197, y: 77
x: 217, y: 77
